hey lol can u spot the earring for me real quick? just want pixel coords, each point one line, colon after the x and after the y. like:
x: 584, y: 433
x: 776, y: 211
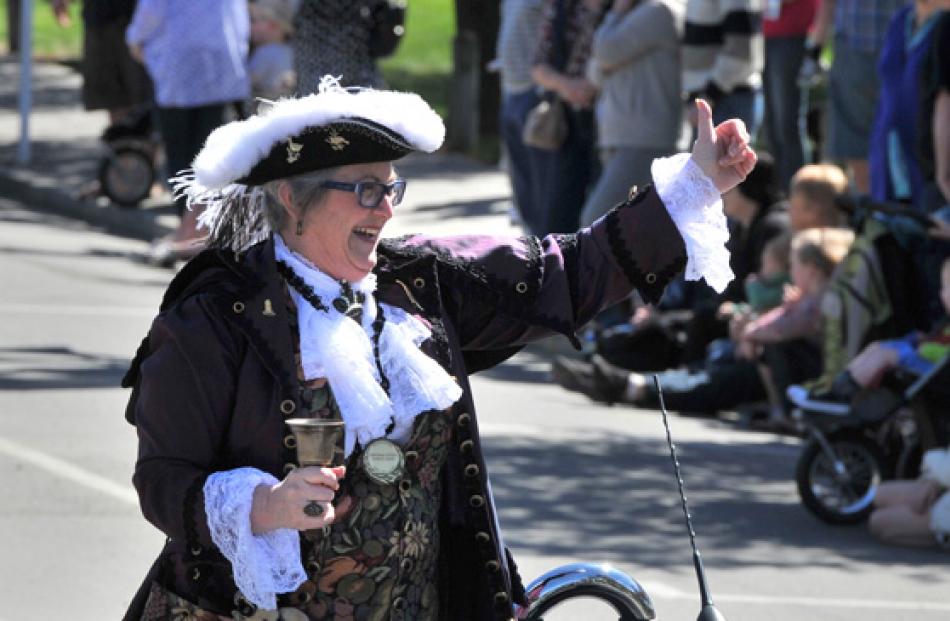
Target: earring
x: 299, y: 228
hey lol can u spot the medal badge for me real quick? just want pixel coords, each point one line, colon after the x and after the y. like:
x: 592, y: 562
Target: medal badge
x: 383, y: 461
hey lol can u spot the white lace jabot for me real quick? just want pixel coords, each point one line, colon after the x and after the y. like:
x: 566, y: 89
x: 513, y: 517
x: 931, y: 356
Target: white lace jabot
x: 695, y: 206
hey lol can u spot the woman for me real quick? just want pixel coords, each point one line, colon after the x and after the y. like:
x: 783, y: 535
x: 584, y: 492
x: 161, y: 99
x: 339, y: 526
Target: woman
x: 563, y: 176
x: 196, y: 54
x: 893, y: 160
x: 635, y: 61
x: 298, y: 309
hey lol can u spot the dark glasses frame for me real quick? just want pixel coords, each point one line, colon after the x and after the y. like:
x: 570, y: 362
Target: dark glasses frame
x: 364, y: 191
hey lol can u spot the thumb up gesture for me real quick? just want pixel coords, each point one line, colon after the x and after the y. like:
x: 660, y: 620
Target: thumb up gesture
x: 722, y: 152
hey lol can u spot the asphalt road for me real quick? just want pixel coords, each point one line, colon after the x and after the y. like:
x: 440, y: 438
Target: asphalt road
x: 573, y: 480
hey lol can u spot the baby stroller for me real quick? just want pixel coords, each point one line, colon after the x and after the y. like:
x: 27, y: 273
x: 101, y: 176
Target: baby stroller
x: 882, y: 434
x: 127, y: 169
x: 851, y: 447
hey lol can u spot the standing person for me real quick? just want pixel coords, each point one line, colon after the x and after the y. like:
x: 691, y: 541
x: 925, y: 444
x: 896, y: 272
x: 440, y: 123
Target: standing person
x: 517, y: 41
x: 785, y: 107
x: 564, y: 176
x: 894, y: 167
x: 196, y: 53
x: 723, y: 57
x: 299, y: 309
x: 112, y: 79
x: 333, y: 38
x: 635, y: 62
x: 859, y: 27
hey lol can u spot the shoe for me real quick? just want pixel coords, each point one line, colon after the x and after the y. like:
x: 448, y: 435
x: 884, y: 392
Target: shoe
x: 610, y: 382
x: 572, y: 374
x: 822, y: 402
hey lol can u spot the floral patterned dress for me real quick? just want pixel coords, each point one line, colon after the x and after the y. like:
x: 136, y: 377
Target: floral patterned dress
x: 378, y: 560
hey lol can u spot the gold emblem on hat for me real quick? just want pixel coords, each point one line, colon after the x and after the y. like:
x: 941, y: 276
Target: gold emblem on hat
x: 336, y: 141
x: 293, y: 150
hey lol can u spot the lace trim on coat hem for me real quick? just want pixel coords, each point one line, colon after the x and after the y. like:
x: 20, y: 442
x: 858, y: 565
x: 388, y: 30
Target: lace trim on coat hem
x: 695, y: 206
x: 263, y: 565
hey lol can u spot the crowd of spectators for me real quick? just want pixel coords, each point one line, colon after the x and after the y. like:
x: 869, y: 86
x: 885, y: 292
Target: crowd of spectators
x: 838, y: 237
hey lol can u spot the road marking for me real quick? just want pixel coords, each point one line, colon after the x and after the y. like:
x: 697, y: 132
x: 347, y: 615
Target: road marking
x: 70, y: 471
x: 664, y: 591
x: 98, y: 310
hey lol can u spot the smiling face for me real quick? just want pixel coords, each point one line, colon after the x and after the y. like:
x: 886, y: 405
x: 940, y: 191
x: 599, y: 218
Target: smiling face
x: 339, y: 236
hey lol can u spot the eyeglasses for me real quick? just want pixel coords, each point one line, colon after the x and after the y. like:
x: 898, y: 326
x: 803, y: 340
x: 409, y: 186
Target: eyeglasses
x: 371, y: 193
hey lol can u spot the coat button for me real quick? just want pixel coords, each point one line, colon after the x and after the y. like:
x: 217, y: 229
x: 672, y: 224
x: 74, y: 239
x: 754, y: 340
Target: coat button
x: 471, y: 470
x: 463, y: 420
x: 287, y: 406
x: 411, y: 456
x: 195, y: 550
x: 476, y: 501
x: 195, y: 574
x: 501, y: 598
x: 467, y: 446
x: 651, y: 278
x: 406, y: 564
x: 632, y: 194
x: 313, y: 568
x: 238, y: 307
x: 418, y: 282
x: 405, y: 485
x: 290, y: 441
x: 482, y: 537
x: 399, y: 604
x: 289, y: 467
x: 521, y: 287
x: 492, y: 566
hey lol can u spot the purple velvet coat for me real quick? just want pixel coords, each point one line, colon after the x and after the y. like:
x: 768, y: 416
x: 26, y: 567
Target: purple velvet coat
x: 215, y: 378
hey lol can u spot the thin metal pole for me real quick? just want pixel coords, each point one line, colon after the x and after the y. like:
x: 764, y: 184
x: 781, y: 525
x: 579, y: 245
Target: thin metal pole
x: 26, y: 79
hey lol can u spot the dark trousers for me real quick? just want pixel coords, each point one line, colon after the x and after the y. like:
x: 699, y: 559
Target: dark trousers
x: 514, y: 110
x: 184, y: 131
x: 784, y: 105
x: 565, y: 175
x: 727, y: 385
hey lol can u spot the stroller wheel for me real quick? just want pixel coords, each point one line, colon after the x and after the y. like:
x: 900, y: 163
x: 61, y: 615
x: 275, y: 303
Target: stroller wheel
x: 126, y: 175
x: 840, y: 490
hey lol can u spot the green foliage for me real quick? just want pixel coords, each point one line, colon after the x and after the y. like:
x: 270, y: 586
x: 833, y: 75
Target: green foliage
x: 423, y: 62
x: 50, y: 40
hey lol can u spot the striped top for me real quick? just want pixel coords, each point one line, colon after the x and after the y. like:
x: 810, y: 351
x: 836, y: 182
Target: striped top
x: 723, y: 48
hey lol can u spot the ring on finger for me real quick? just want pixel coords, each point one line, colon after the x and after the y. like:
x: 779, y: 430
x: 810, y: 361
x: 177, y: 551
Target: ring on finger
x: 314, y: 509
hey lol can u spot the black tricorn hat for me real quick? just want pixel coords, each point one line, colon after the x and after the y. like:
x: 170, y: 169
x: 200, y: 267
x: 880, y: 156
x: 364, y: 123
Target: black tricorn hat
x: 333, y: 127
x: 346, y: 141
x: 289, y: 137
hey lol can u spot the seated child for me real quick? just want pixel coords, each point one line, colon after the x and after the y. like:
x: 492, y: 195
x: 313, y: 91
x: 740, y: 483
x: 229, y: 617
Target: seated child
x: 814, y: 254
x: 916, y: 513
x: 271, y: 63
x: 915, y: 353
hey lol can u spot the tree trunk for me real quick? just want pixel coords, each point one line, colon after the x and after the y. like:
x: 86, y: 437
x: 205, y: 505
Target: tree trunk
x: 481, y: 18
x: 13, y: 25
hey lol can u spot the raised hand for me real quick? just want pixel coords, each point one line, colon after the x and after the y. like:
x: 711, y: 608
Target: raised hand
x: 722, y: 152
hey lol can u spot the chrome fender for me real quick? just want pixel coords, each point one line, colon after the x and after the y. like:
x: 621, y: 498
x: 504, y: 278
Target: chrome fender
x: 596, y: 580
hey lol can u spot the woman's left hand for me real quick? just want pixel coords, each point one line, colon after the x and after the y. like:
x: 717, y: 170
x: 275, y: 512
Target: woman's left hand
x: 722, y: 152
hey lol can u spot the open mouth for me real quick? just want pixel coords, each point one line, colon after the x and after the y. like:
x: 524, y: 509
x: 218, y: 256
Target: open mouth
x: 366, y: 233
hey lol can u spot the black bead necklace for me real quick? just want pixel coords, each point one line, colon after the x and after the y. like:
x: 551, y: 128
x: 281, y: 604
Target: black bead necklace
x: 349, y: 303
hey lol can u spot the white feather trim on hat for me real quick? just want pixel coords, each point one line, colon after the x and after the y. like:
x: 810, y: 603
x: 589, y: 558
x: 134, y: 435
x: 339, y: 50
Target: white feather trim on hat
x: 232, y: 150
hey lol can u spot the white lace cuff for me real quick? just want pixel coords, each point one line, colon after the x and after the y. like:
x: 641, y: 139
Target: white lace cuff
x: 263, y: 565
x: 695, y: 206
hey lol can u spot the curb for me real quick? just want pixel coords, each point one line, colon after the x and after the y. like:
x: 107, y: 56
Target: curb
x: 42, y: 194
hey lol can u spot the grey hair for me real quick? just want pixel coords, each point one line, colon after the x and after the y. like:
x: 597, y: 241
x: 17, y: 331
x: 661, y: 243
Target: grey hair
x: 305, y: 191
